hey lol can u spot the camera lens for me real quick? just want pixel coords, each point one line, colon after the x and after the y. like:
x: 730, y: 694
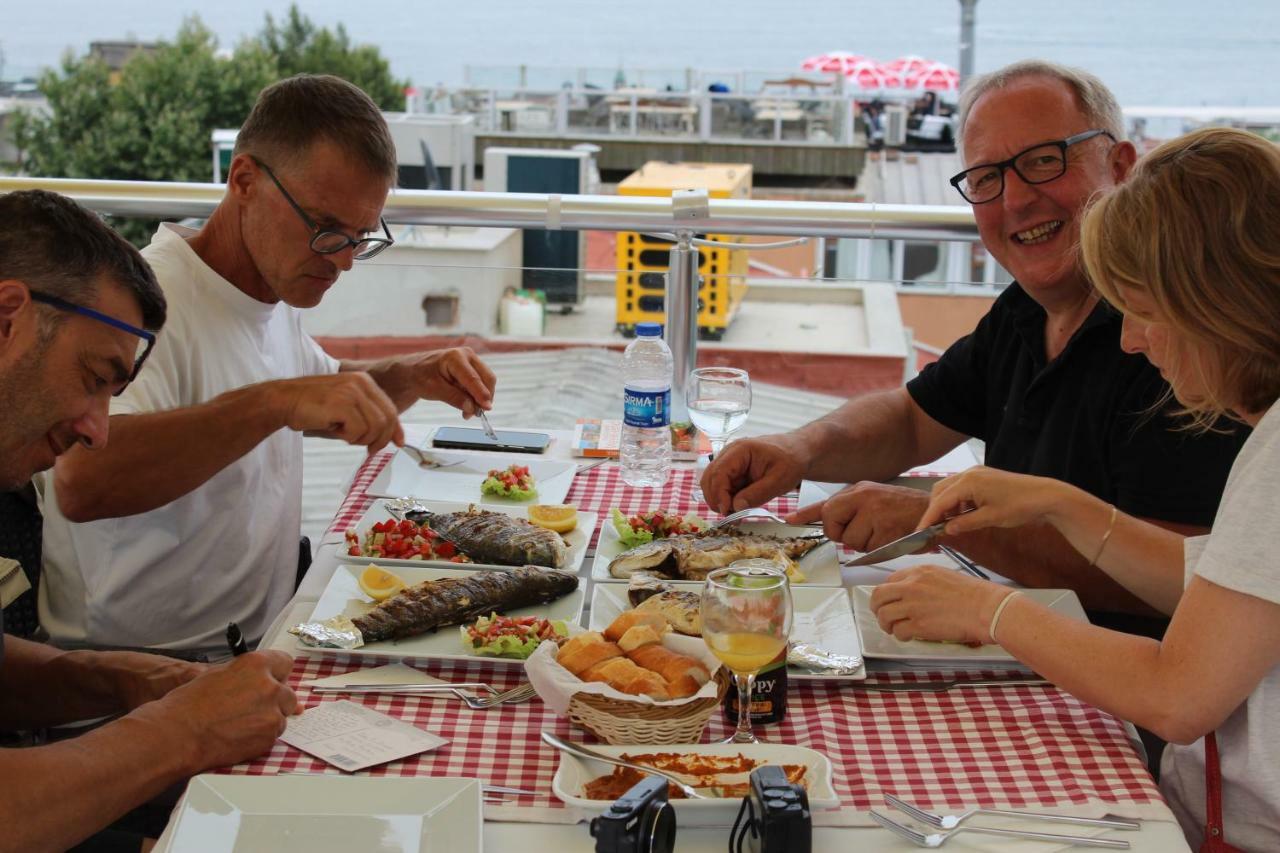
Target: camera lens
x: 660, y: 833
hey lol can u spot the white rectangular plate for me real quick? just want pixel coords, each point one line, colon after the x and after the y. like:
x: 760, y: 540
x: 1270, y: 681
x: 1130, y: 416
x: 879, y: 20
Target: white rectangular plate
x: 404, y: 477
x: 877, y: 644
x: 821, y: 566
x: 343, y: 596
x: 328, y: 814
x: 577, y: 539
x: 823, y: 617
x: 573, y: 773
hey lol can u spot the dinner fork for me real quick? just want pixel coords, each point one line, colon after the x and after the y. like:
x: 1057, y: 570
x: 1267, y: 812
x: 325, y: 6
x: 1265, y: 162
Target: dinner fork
x: 951, y: 821
x: 964, y: 562
x: 523, y: 693
x: 755, y: 513
x: 426, y: 460
x: 937, y: 839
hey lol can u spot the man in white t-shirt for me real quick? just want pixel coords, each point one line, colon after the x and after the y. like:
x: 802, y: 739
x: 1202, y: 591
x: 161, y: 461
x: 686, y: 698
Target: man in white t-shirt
x: 191, y: 517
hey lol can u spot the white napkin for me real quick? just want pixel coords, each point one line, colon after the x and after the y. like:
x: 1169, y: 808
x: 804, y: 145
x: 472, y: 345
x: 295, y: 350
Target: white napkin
x: 392, y: 673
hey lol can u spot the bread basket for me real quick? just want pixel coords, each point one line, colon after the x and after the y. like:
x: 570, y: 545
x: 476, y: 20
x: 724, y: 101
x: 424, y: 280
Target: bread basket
x: 624, y: 722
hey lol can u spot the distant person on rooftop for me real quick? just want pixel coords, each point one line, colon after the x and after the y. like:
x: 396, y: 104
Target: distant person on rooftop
x: 1187, y: 250
x: 77, y: 303
x: 1042, y: 379
x: 191, y: 518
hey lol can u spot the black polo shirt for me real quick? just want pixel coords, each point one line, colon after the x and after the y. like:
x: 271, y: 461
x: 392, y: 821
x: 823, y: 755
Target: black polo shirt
x: 1084, y: 417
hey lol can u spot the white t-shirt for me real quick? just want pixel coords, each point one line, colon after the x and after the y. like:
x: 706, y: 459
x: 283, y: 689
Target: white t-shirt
x: 175, y: 576
x: 1242, y: 554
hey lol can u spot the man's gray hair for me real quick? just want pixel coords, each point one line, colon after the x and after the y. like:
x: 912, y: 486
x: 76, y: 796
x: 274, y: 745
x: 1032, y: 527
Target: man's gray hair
x: 1096, y: 101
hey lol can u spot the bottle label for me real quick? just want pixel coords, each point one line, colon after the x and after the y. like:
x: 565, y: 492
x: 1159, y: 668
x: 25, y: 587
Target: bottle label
x: 646, y: 409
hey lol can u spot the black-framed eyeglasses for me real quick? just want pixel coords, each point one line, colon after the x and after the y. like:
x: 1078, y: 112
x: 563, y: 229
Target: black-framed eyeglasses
x: 325, y: 241
x: 1038, y: 164
x: 71, y: 307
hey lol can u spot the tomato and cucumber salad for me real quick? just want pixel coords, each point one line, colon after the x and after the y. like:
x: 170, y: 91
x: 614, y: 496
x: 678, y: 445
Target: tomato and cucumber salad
x: 403, y: 540
x: 514, y: 481
x: 511, y: 636
x: 642, y: 527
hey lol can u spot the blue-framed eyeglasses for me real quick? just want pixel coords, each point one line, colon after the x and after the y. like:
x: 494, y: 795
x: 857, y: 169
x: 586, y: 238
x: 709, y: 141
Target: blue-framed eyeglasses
x: 326, y: 241
x: 71, y: 307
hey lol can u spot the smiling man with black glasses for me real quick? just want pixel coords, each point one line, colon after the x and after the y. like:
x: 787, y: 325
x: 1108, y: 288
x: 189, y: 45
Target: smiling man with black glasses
x: 192, y: 515
x: 1042, y: 380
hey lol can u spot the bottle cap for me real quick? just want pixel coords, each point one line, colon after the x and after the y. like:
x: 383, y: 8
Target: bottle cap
x: 649, y: 330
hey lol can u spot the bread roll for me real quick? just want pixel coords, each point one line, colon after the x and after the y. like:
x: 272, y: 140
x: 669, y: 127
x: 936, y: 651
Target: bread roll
x: 684, y: 687
x: 621, y: 674
x: 670, y: 665
x: 585, y: 650
x: 630, y: 618
x: 637, y: 636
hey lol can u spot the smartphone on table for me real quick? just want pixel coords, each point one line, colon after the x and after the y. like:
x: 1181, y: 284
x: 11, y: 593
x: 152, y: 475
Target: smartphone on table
x: 465, y: 438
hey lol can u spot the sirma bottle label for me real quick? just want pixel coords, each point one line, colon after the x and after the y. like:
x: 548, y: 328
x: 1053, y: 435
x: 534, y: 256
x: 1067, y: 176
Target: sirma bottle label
x: 646, y: 408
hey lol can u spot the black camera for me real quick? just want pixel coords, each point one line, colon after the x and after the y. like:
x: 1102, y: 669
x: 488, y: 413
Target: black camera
x: 641, y: 820
x: 777, y: 815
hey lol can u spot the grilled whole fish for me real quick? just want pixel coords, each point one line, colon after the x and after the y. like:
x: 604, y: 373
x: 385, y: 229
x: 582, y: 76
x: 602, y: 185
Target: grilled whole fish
x: 692, y: 556
x: 681, y: 608
x: 495, y: 537
x: 454, y: 601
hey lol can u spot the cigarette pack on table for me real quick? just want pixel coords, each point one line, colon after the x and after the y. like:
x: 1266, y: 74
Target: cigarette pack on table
x: 593, y: 437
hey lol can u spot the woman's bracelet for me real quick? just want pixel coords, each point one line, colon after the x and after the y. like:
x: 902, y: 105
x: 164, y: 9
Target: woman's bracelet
x: 1111, y: 525
x: 995, y: 617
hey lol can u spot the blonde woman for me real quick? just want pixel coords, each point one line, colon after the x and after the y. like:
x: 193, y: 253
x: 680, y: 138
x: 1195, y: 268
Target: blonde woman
x: 1189, y: 250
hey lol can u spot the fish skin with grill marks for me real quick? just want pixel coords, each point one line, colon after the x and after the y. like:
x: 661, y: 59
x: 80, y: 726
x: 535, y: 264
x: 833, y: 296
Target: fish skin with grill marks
x: 436, y: 604
x: 693, y: 556
x: 495, y: 537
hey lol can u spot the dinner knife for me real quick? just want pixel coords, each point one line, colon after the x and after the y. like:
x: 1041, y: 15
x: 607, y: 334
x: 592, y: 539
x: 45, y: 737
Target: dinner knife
x: 909, y: 544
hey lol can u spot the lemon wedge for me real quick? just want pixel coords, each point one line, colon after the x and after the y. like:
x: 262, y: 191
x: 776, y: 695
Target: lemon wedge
x: 380, y: 584
x: 560, y: 518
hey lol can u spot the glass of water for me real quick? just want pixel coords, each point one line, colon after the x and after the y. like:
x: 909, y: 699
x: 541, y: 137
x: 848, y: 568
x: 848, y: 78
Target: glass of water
x: 719, y: 400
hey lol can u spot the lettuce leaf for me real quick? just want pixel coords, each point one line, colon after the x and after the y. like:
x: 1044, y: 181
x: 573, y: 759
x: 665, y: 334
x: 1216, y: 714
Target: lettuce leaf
x: 494, y: 486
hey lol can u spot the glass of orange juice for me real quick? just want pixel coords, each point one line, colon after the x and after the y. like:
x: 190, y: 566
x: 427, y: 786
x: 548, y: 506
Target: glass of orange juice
x: 746, y: 622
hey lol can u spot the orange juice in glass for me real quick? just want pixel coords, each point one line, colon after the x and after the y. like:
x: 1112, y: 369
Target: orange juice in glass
x: 746, y: 622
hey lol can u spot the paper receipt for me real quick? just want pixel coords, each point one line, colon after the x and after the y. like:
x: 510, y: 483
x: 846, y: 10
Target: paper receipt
x: 352, y: 737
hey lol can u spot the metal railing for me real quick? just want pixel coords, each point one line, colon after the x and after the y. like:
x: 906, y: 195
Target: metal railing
x: 678, y: 217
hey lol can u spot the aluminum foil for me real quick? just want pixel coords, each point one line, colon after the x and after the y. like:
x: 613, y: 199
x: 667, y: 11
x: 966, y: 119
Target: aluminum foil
x: 336, y: 633
x: 819, y: 661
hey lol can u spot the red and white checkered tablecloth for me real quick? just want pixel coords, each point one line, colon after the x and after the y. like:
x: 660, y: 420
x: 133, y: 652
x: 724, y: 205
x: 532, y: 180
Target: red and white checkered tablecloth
x: 1017, y: 747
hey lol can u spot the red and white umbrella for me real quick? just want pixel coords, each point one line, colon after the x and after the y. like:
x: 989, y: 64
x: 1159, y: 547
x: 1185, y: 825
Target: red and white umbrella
x: 935, y: 78
x: 909, y: 66
x: 870, y: 75
x: 835, y: 62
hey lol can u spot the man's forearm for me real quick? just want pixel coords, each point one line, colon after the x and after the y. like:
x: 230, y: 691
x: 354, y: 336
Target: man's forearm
x: 152, y: 459
x: 52, y: 797
x: 44, y: 686
x: 873, y: 437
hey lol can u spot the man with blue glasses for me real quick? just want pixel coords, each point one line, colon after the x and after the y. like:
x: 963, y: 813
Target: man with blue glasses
x: 79, y: 311
x: 192, y: 515
x: 1042, y: 379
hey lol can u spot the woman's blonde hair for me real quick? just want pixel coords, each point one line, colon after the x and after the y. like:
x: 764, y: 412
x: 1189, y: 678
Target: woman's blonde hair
x: 1196, y: 227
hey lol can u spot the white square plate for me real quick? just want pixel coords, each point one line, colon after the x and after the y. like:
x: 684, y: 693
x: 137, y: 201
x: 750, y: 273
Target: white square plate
x: 823, y: 617
x: 343, y: 597
x: 821, y: 566
x: 404, y: 477
x: 573, y: 773
x: 327, y: 814
x: 577, y: 539
x: 877, y: 644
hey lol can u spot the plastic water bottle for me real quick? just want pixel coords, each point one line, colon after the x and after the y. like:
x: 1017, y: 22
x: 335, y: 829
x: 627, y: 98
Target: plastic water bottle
x: 646, y: 423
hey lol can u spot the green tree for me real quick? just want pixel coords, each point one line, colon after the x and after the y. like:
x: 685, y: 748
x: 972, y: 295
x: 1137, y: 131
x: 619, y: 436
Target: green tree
x: 152, y: 121
x: 298, y: 46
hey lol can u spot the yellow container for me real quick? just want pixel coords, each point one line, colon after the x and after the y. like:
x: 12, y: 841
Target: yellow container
x: 643, y: 260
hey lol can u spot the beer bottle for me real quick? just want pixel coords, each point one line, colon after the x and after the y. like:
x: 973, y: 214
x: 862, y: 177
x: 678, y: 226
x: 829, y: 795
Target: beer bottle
x: 768, y: 695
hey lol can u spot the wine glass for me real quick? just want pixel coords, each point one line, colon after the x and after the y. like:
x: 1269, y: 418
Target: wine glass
x: 746, y: 622
x: 719, y: 400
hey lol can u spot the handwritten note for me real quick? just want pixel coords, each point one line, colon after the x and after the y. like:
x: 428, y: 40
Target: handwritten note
x: 352, y: 737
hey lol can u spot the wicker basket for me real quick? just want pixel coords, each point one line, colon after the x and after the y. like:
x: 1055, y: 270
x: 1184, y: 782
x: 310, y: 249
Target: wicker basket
x: 619, y: 721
